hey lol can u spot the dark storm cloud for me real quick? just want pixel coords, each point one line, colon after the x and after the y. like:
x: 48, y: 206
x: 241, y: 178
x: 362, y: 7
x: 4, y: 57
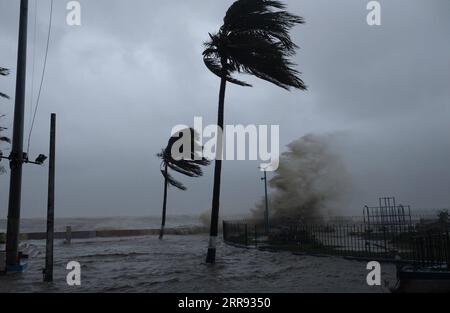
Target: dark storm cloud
x: 133, y: 70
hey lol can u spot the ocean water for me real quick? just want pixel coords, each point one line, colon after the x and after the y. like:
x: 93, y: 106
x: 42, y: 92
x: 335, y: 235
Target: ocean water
x: 86, y: 224
x: 176, y: 265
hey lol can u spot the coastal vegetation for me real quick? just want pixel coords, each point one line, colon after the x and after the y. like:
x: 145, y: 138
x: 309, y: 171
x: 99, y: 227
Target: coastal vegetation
x: 254, y: 39
x: 190, y: 166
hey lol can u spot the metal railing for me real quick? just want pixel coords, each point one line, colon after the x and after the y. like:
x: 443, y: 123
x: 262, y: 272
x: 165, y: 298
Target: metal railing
x: 430, y: 247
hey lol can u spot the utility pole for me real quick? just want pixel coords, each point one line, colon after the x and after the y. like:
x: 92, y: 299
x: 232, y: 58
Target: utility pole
x: 266, y: 212
x: 17, y: 157
x: 48, y: 271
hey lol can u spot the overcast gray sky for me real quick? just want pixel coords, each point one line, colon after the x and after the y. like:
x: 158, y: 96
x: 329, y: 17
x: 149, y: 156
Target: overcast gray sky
x: 133, y: 70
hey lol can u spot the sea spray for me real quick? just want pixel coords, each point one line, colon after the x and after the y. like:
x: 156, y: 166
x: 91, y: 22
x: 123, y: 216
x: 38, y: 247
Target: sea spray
x: 310, y: 183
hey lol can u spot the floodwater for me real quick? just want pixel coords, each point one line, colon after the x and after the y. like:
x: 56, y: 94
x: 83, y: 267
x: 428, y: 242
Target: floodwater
x: 176, y: 265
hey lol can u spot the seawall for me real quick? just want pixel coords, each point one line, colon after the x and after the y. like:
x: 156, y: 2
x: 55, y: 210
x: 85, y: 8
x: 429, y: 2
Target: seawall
x: 111, y: 233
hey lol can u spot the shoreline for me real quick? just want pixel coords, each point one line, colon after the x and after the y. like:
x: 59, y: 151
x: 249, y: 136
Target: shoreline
x: 115, y: 233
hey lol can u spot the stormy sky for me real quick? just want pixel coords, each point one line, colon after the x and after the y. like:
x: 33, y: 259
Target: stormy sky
x: 133, y: 70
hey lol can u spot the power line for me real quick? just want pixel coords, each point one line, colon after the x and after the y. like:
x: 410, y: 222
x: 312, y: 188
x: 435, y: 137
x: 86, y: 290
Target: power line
x: 42, y: 76
x: 34, y: 63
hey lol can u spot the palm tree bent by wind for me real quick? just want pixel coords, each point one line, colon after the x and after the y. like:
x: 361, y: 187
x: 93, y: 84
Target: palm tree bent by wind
x: 255, y: 40
x: 190, y: 166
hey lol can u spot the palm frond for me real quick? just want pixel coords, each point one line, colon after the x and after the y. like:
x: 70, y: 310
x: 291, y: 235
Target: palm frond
x: 257, y: 16
x: 173, y: 182
x: 191, y: 166
x: 4, y: 71
x: 213, y: 64
x: 5, y: 139
x: 255, y: 40
x: 186, y: 168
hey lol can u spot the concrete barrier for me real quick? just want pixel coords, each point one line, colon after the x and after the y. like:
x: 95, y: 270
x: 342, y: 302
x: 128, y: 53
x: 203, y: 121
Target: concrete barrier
x: 114, y: 233
x: 126, y: 233
x: 68, y: 239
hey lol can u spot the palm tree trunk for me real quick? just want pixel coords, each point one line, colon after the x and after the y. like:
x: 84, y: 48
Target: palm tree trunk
x: 211, y: 256
x: 163, y: 222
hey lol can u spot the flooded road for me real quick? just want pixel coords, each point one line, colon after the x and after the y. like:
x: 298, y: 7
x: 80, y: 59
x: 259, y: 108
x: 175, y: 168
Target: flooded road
x: 176, y: 264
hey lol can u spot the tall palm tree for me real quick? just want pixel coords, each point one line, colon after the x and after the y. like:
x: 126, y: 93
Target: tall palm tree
x: 190, y: 166
x: 254, y: 39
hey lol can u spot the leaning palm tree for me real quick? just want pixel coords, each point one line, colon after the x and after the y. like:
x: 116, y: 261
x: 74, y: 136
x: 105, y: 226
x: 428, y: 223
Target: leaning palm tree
x: 255, y: 40
x: 189, y: 165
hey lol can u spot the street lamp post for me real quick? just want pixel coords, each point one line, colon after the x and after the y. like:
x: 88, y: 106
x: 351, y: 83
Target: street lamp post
x: 266, y: 212
x: 17, y: 156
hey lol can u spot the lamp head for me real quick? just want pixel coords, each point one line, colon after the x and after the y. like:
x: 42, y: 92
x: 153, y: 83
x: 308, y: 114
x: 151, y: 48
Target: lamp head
x: 41, y: 159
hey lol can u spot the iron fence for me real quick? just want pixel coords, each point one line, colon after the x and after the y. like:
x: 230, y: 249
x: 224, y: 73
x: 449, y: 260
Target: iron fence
x: 410, y: 244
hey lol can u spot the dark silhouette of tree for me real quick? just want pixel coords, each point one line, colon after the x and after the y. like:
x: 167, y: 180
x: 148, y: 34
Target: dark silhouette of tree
x: 189, y: 165
x: 255, y: 40
x: 3, y: 139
